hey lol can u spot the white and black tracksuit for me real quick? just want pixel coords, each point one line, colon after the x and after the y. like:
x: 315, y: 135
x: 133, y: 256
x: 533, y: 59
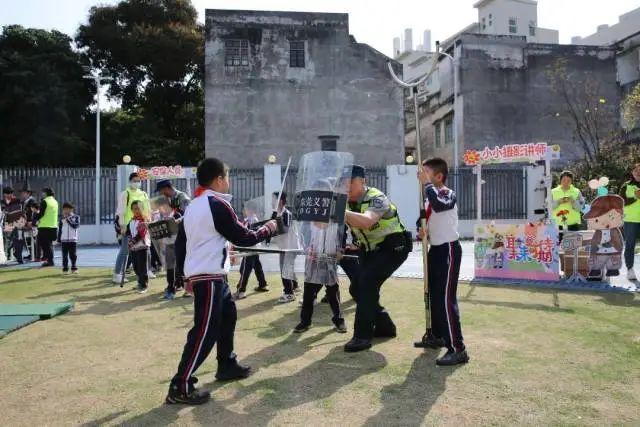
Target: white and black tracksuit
x: 201, y: 256
x: 444, y: 258
x: 68, y: 238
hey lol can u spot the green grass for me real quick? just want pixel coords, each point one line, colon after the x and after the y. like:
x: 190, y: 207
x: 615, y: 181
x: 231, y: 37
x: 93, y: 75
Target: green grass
x: 536, y: 358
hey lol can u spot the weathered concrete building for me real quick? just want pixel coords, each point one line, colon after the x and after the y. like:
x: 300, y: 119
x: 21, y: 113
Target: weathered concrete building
x: 505, y: 94
x: 277, y: 81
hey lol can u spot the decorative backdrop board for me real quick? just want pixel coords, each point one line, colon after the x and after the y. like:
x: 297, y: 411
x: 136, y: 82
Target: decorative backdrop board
x: 517, y: 251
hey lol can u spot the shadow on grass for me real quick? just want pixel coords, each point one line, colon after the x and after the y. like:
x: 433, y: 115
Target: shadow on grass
x: 620, y: 299
x: 519, y: 305
x: 268, y: 397
x: 409, y: 402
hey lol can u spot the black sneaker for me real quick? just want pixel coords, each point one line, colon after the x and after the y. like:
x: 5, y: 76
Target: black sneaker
x: 356, y: 345
x: 261, y: 289
x: 301, y: 327
x: 340, y: 326
x: 231, y: 370
x: 195, y: 397
x: 430, y: 341
x: 452, y: 358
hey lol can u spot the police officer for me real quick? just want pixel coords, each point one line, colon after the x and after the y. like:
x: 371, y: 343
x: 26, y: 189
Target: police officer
x: 384, y: 245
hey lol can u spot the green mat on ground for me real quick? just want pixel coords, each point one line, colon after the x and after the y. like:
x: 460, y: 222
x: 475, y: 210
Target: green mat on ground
x: 11, y: 323
x: 43, y: 311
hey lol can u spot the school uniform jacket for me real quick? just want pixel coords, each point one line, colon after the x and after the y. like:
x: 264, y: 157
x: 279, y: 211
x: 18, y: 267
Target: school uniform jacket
x: 441, y: 212
x: 201, y: 245
x: 68, y: 228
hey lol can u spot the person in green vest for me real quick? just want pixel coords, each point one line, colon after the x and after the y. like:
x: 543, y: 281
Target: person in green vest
x: 131, y: 194
x: 567, y: 204
x: 47, y: 225
x: 384, y: 244
x: 630, y: 192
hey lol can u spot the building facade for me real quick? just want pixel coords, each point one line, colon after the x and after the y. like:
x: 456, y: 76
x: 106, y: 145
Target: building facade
x: 628, y: 25
x: 506, y: 95
x: 287, y: 83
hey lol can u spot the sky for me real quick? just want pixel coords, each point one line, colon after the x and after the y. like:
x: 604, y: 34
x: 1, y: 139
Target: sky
x: 374, y: 22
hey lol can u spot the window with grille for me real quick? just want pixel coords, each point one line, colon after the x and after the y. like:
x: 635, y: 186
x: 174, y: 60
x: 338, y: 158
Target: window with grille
x: 437, y: 135
x: 532, y: 29
x: 236, y: 53
x: 448, y: 130
x: 513, y: 26
x: 296, y: 54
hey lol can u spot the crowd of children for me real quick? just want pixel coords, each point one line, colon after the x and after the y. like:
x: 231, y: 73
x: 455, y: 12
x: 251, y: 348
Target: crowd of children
x: 35, y: 227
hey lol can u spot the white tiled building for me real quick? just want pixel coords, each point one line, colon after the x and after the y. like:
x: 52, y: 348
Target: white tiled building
x: 515, y: 18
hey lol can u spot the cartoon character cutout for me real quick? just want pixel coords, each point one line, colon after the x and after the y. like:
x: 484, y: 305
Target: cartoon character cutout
x: 607, y: 244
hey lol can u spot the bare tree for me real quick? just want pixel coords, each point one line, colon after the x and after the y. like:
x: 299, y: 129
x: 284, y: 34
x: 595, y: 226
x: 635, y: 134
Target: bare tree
x: 593, y: 118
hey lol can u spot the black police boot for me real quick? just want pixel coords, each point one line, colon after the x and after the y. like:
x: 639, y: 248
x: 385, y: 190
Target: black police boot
x: 230, y: 369
x: 356, y: 345
x: 193, y: 397
x: 384, y: 326
x: 452, y: 358
x: 301, y: 327
x: 430, y: 341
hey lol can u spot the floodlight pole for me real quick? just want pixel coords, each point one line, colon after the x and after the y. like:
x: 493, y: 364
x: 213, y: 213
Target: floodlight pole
x: 98, y: 79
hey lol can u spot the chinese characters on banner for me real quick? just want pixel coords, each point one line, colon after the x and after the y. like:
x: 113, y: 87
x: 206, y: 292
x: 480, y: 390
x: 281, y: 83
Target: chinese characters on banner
x: 517, y: 251
x: 314, y: 206
x: 162, y: 172
x: 511, y: 154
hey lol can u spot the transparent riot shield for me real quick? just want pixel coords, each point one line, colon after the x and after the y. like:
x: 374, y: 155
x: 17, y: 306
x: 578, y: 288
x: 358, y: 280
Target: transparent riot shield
x: 253, y: 210
x: 319, y: 206
x: 163, y: 230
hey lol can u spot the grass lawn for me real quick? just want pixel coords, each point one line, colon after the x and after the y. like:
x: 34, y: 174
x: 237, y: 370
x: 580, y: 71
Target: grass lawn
x: 537, y: 358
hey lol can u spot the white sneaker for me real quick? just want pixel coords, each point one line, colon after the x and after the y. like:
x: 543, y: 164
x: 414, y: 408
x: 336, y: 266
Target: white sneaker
x: 239, y: 295
x: 142, y: 290
x: 150, y: 275
x: 117, y: 279
x: 631, y: 275
x: 285, y: 298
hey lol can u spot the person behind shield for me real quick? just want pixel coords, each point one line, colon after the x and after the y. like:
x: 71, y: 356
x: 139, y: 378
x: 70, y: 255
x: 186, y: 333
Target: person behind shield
x: 289, y: 286
x: 384, y: 245
x: 321, y: 247
x: 124, y: 213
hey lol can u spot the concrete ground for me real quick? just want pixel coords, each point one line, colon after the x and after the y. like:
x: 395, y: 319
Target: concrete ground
x: 104, y: 257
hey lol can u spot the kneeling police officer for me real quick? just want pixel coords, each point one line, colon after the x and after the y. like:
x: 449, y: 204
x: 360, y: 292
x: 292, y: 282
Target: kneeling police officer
x: 384, y: 245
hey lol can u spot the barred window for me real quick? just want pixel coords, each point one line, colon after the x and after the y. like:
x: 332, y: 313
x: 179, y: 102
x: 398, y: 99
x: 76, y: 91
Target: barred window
x: 448, y: 130
x: 437, y: 135
x: 513, y: 25
x: 236, y: 53
x: 296, y: 54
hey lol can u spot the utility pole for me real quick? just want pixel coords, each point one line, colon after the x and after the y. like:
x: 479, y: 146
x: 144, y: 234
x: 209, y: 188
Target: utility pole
x: 98, y: 79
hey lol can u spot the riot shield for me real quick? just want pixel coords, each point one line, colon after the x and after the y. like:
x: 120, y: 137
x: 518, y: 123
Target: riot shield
x: 319, y: 206
x: 163, y: 230
x: 253, y: 210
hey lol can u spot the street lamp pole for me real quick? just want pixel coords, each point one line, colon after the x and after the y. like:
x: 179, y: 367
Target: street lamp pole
x: 98, y: 79
x: 456, y: 154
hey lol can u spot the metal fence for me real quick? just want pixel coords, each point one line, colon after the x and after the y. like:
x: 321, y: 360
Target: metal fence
x: 73, y: 185
x: 504, y: 194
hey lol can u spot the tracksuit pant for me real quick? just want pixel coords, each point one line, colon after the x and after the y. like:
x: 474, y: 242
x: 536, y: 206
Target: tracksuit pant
x: 69, y: 252
x: 140, y: 258
x: 631, y: 234
x: 214, y: 321
x: 249, y: 264
x: 375, y: 268
x: 287, y: 263
x: 444, y: 269
x: 309, y: 296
